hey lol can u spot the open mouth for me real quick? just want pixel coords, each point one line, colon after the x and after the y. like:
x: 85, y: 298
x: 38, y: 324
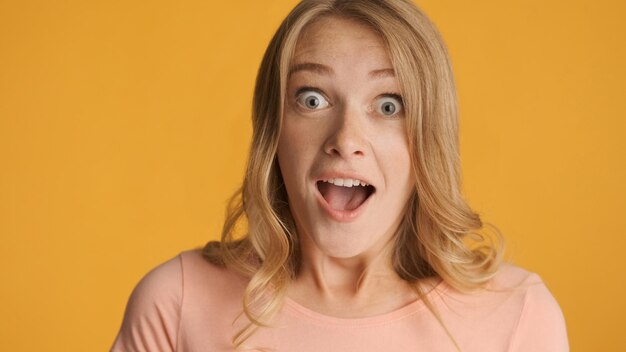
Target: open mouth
x: 345, y: 194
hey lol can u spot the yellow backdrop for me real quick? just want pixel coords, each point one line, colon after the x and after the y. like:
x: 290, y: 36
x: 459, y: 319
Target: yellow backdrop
x: 124, y: 126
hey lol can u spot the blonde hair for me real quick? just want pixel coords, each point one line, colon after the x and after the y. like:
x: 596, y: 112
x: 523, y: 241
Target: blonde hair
x: 439, y: 232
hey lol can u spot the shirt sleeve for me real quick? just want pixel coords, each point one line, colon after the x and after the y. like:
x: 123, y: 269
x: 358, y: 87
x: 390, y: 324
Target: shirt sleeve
x: 152, y: 315
x: 541, y: 327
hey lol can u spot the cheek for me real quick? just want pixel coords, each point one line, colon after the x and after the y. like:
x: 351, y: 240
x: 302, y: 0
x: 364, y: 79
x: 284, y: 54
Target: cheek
x: 293, y: 152
x: 299, y: 141
x: 396, y: 162
x: 285, y: 156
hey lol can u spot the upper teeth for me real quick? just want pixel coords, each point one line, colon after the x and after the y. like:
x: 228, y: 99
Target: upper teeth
x: 345, y: 182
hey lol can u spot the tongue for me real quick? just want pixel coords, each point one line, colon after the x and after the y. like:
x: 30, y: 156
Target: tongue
x: 342, y: 198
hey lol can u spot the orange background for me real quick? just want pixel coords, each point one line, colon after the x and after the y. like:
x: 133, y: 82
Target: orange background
x: 124, y: 126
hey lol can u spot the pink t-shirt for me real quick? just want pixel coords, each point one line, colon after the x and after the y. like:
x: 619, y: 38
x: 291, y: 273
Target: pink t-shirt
x: 187, y: 304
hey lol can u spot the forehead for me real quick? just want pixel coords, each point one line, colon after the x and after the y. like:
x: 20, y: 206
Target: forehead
x: 331, y: 38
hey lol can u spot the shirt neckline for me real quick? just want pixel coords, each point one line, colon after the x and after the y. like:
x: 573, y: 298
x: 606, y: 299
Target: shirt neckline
x: 295, y: 308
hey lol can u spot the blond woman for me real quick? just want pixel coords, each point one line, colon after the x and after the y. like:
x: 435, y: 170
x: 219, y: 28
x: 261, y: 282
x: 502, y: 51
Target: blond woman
x: 357, y: 237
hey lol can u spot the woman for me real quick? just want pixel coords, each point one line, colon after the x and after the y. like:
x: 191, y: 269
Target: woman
x: 358, y: 238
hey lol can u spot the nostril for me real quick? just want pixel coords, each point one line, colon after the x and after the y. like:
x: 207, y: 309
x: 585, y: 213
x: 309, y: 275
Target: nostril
x: 333, y: 151
x: 347, y: 141
x: 345, y: 152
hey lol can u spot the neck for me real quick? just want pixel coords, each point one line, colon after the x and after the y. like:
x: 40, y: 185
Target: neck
x: 329, y: 284
x: 345, y: 276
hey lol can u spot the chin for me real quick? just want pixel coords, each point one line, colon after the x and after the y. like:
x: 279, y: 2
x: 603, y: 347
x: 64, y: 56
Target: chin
x: 343, y: 245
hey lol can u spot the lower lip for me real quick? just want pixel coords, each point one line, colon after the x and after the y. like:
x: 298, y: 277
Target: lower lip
x: 342, y: 215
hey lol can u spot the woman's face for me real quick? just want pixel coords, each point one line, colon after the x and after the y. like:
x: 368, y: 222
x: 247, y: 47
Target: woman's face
x: 343, y: 122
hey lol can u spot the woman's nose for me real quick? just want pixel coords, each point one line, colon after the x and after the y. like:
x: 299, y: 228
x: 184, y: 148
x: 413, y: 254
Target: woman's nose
x: 347, y: 138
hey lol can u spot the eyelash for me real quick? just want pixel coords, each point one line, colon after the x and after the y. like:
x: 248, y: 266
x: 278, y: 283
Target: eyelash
x: 304, y: 89
x: 301, y: 90
x: 396, y: 96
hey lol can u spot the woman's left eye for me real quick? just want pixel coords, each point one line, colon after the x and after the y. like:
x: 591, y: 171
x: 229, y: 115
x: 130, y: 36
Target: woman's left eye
x: 389, y: 105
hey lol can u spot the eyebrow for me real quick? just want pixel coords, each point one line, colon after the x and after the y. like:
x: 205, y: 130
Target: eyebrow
x: 309, y: 66
x: 327, y: 71
x: 384, y: 72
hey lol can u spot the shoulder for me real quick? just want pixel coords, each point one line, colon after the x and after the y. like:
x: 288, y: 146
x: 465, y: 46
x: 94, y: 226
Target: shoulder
x: 510, y: 276
x: 540, y: 323
x: 515, y: 308
x: 207, y: 280
x: 153, y: 315
x: 528, y: 285
x: 162, y: 284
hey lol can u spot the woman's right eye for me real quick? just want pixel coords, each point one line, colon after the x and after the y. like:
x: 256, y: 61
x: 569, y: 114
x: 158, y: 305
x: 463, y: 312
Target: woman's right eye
x: 311, y: 100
